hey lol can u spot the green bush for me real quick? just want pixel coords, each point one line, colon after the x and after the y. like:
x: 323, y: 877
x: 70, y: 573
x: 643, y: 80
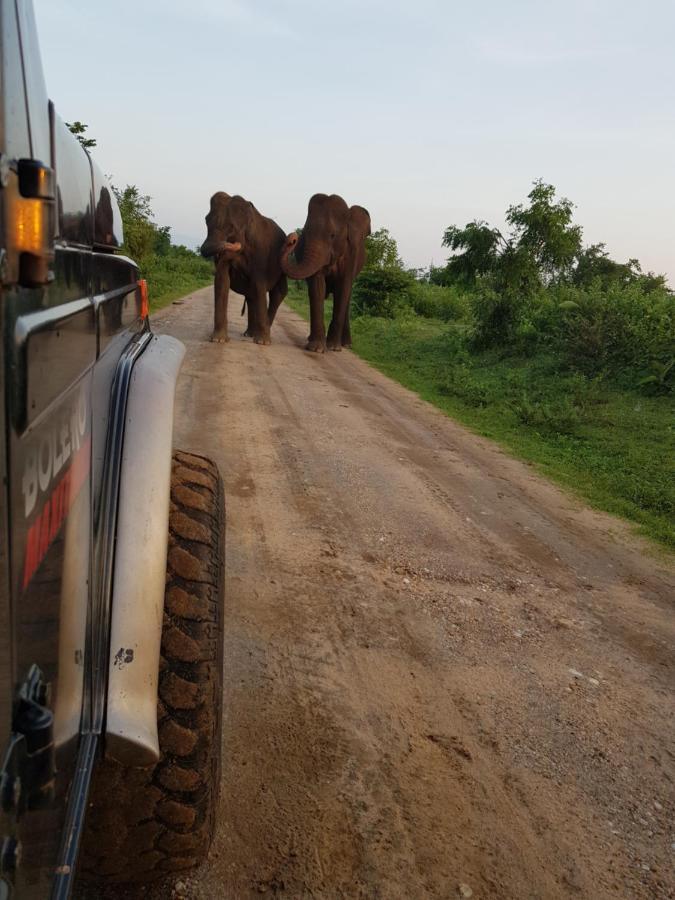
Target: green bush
x: 557, y: 415
x: 460, y: 381
x: 623, y: 330
x: 382, y: 292
x: 435, y: 302
x: 495, y: 315
x: 454, y: 346
x: 179, y: 271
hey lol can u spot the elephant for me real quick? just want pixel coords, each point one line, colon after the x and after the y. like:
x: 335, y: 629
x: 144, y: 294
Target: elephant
x: 329, y: 254
x: 246, y: 247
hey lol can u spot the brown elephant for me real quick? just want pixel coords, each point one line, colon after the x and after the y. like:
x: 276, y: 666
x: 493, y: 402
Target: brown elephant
x: 329, y: 254
x: 246, y: 247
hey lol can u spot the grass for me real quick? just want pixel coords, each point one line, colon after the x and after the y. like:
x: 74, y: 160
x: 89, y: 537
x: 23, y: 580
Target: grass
x: 612, y: 446
x: 173, y: 276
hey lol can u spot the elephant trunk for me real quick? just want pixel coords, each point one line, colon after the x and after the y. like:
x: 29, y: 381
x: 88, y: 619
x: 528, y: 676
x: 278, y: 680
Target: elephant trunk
x: 214, y: 249
x: 310, y: 262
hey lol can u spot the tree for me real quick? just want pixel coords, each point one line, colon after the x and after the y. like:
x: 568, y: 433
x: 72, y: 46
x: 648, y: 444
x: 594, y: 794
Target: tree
x: 480, y: 247
x: 506, y: 272
x: 78, y: 129
x: 162, y: 239
x: 544, y: 229
x: 541, y: 247
x: 382, y: 251
x: 594, y: 263
x: 142, y: 237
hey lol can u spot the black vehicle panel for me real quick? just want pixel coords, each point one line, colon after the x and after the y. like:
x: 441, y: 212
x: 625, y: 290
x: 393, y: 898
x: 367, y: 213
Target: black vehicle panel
x: 50, y: 467
x: 6, y: 678
x: 117, y: 300
x: 36, y: 91
x: 50, y: 507
x: 74, y: 202
x: 54, y: 336
x: 57, y: 353
x: 107, y: 218
x: 16, y: 138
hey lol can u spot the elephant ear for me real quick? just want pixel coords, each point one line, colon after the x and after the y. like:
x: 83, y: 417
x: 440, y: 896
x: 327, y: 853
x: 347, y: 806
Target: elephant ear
x: 252, y: 215
x: 358, y: 231
x: 359, y: 225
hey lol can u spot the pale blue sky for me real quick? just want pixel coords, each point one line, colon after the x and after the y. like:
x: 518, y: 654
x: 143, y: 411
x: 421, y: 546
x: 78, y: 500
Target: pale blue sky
x: 427, y: 112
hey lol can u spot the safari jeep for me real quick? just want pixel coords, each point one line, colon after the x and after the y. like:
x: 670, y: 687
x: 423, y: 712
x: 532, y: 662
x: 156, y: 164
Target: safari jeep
x: 111, y: 547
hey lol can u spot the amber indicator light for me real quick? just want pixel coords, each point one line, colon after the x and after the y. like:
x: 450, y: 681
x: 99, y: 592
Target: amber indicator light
x: 145, y: 306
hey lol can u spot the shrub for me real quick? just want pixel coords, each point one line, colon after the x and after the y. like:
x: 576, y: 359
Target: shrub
x: 382, y: 292
x: 622, y: 330
x: 625, y: 331
x: 460, y: 381
x: 459, y: 378
x: 557, y: 415
x: 432, y: 301
x: 177, y: 272
x: 494, y: 315
x: 454, y: 346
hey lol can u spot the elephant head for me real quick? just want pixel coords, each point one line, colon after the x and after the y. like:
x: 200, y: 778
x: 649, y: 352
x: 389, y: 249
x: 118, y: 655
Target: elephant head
x: 227, y: 223
x: 323, y: 240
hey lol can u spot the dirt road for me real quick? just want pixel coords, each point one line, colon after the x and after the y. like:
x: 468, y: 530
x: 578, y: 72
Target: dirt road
x: 444, y: 677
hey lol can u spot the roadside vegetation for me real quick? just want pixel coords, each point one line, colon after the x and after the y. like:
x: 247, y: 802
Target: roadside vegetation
x: 553, y: 349
x: 171, y: 270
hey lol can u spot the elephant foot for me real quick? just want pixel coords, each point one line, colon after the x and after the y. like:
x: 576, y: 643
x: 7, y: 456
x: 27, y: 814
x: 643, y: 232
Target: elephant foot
x: 247, y: 333
x: 347, y: 345
x: 335, y: 346
x: 315, y: 346
x: 263, y: 339
x: 220, y: 337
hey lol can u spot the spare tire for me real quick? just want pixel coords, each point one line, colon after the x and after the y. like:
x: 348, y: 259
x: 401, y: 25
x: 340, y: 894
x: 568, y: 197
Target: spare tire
x: 143, y: 823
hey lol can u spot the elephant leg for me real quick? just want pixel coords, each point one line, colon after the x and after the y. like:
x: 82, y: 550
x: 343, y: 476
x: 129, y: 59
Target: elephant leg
x: 250, y: 309
x: 277, y: 295
x: 221, y: 294
x: 261, y: 326
x: 316, y: 286
x: 346, y: 329
x: 342, y: 295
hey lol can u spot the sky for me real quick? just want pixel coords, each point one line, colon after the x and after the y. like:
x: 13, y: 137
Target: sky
x: 427, y: 112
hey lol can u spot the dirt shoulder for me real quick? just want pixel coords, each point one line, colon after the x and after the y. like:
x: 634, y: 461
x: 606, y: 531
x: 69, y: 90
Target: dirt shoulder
x: 441, y: 671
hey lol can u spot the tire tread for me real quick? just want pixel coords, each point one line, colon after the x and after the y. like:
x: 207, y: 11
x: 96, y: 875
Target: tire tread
x: 145, y: 823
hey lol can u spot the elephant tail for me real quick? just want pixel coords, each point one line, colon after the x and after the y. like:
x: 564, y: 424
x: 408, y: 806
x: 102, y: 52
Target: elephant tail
x: 243, y: 307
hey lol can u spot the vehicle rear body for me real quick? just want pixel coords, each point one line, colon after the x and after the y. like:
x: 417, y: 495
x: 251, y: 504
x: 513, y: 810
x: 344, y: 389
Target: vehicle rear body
x: 70, y: 310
